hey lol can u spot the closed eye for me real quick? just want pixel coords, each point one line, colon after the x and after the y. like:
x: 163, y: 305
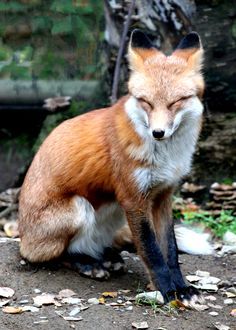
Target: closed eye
x: 144, y: 102
x: 180, y: 100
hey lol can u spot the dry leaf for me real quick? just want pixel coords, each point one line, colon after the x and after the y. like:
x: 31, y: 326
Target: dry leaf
x: 102, y: 300
x: 177, y: 304
x: 66, y: 293
x: 44, y: 299
x: 12, y: 310
x: 6, y: 292
x: 108, y: 294
x: 140, y: 325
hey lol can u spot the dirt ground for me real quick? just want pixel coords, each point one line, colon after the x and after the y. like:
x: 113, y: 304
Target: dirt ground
x: 24, y: 280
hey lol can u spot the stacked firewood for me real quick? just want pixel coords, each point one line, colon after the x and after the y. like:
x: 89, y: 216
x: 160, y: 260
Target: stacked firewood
x: 223, y: 197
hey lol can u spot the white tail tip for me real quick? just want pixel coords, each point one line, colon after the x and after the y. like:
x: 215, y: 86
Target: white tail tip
x: 191, y: 242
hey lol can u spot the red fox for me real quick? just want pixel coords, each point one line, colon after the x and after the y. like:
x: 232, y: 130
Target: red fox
x: 97, y: 170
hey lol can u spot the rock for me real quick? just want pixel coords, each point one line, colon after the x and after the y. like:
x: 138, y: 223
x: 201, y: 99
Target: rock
x: 149, y: 297
x: 228, y: 301
x: 6, y: 292
x: 93, y: 301
x: 140, y: 325
x: 213, y: 313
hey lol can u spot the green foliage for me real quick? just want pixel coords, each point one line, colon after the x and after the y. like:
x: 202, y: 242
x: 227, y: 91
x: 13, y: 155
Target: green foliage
x: 218, y: 224
x: 69, y: 29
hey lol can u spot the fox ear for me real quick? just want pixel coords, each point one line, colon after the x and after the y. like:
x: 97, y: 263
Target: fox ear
x: 140, y: 48
x: 190, y: 49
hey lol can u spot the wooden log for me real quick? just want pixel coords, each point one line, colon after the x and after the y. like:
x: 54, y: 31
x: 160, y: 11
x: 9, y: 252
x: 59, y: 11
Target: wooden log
x: 23, y: 91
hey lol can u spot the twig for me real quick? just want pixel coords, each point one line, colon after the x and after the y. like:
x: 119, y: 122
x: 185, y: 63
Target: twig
x: 8, y: 210
x: 120, y: 53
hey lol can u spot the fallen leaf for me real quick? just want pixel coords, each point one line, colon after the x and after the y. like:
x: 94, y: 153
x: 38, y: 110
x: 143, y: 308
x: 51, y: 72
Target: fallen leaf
x: 12, y: 310
x: 66, y: 293
x: 233, y: 312
x: 109, y: 294
x: 6, y: 292
x: 102, y: 300
x: 140, y: 325
x: 177, y: 304
x: 44, y: 299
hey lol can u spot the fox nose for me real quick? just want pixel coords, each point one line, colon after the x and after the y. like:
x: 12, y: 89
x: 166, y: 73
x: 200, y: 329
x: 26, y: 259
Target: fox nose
x: 158, y: 133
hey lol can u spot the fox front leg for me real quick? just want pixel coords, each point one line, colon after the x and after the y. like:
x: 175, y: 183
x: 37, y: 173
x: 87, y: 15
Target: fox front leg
x: 149, y: 249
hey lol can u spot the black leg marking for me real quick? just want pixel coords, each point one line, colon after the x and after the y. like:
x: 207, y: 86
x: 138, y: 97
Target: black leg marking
x: 184, y: 292
x: 156, y: 262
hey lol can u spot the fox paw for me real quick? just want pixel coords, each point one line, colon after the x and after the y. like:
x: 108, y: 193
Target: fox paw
x: 190, y: 296
x: 112, y: 261
x: 87, y: 266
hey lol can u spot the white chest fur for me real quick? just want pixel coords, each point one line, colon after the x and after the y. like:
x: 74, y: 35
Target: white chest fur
x: 170, y: 159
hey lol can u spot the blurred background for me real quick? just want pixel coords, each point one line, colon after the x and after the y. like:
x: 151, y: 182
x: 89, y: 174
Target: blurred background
x: 57, y: 60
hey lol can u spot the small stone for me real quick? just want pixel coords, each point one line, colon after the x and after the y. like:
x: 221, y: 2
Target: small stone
x: 66, y: 293
x: 32, y: 309
x: 41, y: 321
x: 128, y: 303
x: 215, y: 306
x: 22, y: 262
x: 93, y: 301
x: 6, y: 292
x: 228, y: 301
x: 148, y: 297
x: 71, y: 318
x: 220, y: 326
x: 193, y: 278
x: 211, y: 298
x: 140, y: 325
x: 24, y: 301
x: 213, y: 313
x: 129, y: 308
x: 119, y: 301
x: 37, y: 291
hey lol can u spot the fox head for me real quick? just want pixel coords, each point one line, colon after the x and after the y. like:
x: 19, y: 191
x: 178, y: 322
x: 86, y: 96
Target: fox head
x: 165, y: 89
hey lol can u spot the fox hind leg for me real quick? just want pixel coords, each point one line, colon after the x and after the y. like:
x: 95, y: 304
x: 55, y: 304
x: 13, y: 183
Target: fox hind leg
x: 90, y: 249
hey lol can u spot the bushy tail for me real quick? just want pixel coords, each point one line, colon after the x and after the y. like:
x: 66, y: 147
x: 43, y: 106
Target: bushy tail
x: 191, y: 242
x: 188, y: 241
